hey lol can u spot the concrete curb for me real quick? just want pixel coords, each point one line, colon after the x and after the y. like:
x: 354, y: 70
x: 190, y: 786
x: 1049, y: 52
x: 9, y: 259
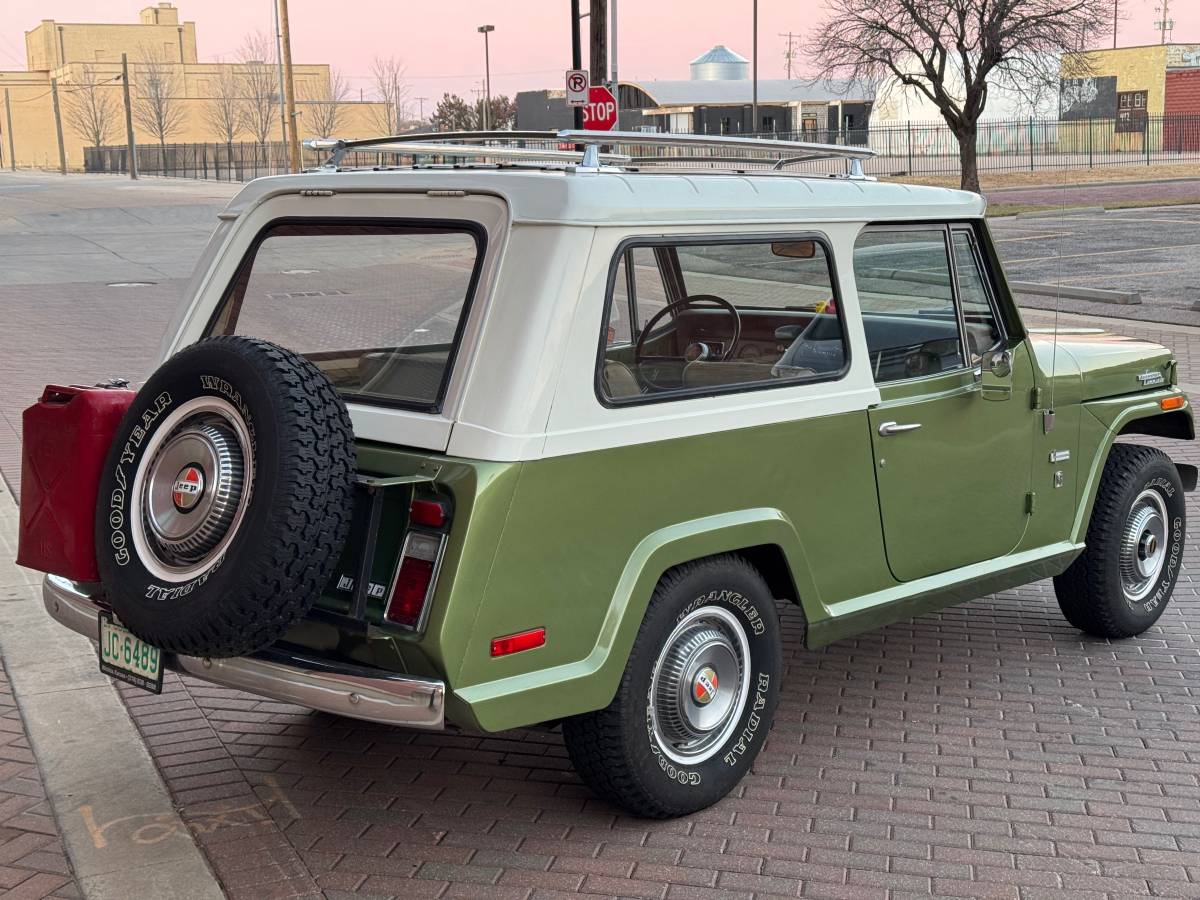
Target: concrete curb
x: 1072, y: 292
x: 122, y: 834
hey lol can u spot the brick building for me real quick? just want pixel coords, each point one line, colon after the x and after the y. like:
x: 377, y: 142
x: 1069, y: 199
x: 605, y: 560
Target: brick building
x: 73, y: 55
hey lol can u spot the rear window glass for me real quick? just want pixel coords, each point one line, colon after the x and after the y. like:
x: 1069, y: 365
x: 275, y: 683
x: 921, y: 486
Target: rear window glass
x: 378, y: 308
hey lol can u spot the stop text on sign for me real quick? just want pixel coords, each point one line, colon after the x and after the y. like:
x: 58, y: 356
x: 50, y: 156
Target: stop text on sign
x: 600, y: 113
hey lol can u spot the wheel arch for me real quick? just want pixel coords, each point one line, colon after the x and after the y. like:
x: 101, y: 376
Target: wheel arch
x: 765, y: 536
x: 1118, y: 417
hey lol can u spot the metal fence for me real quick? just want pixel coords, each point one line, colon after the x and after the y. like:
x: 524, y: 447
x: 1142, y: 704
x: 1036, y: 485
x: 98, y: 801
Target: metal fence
x: 913, y: 148
x: 238, y: 161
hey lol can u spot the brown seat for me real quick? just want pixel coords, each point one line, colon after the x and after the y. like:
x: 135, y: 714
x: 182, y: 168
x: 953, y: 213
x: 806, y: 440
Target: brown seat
x: 619, y: 381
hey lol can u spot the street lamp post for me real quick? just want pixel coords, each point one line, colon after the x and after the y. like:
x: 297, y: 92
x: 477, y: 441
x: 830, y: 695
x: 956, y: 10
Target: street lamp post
x: 485, y: 30
x: 754, y: 75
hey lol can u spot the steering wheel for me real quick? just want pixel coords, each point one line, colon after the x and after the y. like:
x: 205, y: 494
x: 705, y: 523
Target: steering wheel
x: 701, y: 350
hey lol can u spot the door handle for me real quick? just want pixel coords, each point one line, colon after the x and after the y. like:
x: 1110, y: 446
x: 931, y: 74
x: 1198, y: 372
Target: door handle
x: 887, y: 429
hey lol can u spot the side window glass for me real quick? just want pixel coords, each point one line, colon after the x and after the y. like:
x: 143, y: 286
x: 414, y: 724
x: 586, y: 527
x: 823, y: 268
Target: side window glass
x: 983, y: 331
x: 905, y: 291
x: 753, y: 314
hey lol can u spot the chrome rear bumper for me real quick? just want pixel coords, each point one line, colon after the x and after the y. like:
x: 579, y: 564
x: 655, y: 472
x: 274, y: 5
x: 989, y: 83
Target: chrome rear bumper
x: 341, y: 689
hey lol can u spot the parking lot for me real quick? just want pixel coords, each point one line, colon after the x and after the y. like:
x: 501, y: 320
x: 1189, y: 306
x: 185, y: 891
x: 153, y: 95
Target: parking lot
x: 989, y: 750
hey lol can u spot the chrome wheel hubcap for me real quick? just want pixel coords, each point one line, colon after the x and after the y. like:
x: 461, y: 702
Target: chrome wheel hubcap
x: 1143, y: 545
x: 192, y: 489
x: 699, y: 685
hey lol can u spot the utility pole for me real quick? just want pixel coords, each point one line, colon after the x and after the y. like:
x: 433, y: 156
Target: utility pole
x: 1116, y: 15
x: 754, y: 71
x: 1165, y: 24
x: 576, y: 55
x: 12, y: 153
x: 598, y: 40
x: 612, y: 69
x: 283, y: 129
x: 132, y: 147
x: 790, y: 53
x: 421, y: 107
x: 62, y: 152
x: 290, y: 87
x: 485, y: 30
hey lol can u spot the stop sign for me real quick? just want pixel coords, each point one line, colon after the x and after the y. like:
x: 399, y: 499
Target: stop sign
x: 600, y: 114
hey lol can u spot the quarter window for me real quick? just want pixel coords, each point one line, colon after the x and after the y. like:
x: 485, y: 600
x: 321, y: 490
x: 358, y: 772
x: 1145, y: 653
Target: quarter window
x: 979, y: 317
x: 906, y: 293
x: 710, y: 317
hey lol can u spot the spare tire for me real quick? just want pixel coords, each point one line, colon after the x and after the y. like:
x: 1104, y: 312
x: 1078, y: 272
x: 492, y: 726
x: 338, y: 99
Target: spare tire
x: 226, y: 498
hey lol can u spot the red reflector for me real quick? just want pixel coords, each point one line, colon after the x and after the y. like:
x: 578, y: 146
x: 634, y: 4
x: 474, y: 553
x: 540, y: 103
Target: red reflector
x: 515, y: 643
x: 427, y: 512
x: 412, y: 585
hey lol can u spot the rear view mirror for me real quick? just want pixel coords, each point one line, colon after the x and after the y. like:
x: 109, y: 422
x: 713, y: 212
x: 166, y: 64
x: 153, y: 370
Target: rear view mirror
x: 795, y: 249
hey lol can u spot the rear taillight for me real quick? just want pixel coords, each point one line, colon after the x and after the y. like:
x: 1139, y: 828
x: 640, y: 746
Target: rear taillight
x: 431, y: 513
x: 415, y: 576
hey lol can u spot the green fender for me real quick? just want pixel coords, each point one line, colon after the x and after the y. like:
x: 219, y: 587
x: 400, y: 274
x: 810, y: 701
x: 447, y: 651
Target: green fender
x: 1100, y: 430
x: 590, y: 683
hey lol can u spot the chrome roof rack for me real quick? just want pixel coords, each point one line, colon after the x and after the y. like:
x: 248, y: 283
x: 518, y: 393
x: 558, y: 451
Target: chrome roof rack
x: 585, y: 153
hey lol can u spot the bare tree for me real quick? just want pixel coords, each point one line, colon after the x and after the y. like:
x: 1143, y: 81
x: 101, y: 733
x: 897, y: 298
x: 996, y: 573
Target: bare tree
x: 223, y: 112
x: 93, y: 112
x: 259, y: 88
x: 388, y: 75
x: 950, y: 50
x: 323, y: 106
x: 159, y: 108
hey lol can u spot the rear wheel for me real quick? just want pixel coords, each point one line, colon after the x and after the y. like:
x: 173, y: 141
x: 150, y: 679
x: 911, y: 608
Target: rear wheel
x: 1122, y: 582
x: 697, y: 698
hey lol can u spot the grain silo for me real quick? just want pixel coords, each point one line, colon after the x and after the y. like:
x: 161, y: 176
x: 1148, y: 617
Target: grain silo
x: 720, y: 64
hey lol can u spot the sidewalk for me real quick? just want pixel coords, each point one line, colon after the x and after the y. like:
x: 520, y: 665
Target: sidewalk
x: 32, y: 861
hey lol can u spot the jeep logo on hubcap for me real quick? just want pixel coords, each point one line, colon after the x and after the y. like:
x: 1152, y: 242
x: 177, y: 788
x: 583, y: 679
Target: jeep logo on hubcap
x: 188, y: 486
x: 705, y: 686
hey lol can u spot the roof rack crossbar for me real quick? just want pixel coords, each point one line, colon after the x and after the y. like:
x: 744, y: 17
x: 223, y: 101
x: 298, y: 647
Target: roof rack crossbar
x: 583, y: 148
x: 727, y: 142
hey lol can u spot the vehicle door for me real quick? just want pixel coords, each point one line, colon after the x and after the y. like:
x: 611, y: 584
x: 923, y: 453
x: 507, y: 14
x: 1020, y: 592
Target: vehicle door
x: 952, y: 434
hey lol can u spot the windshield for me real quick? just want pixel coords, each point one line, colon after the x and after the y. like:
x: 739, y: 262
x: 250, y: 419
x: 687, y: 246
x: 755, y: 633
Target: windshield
x: 379, y: 308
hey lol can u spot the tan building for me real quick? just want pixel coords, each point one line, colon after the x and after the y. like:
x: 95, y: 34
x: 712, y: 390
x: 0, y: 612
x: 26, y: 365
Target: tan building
x: 81, y: 62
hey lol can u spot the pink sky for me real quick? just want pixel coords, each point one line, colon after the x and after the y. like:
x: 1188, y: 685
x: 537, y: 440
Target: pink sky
x: 530, y: 46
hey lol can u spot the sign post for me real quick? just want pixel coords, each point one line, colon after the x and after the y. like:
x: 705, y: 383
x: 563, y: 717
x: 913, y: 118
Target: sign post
x: 577, y: 87
x: 600, y: 113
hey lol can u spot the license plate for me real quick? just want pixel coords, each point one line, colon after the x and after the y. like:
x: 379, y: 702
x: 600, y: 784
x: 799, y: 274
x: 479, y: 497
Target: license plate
x: 128, y: 658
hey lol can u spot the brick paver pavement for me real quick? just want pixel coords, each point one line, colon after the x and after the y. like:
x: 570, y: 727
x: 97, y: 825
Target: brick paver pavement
x: 990, y: 750
x: 32, y: 862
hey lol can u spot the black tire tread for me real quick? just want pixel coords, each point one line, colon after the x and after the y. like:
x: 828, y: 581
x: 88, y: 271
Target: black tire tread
x: 1078, y: 587
x: 600, y: 755
x: 309, y: 517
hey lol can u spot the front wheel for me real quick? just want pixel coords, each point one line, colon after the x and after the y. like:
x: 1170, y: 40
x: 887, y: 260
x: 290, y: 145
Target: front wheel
x: 697, y: 698
x: 1122, y: 582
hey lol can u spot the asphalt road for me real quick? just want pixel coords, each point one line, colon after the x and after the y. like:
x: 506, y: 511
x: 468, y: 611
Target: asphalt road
x: 1152, y: 251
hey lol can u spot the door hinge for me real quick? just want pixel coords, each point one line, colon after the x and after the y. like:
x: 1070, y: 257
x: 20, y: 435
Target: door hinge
x: 1030, y: 503
x: 1035, y: 398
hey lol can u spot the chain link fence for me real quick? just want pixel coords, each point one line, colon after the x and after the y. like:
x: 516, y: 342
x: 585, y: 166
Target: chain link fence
x: 913, y: 148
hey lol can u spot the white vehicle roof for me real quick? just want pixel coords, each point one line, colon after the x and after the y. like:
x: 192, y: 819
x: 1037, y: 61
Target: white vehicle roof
x: 614, y: 197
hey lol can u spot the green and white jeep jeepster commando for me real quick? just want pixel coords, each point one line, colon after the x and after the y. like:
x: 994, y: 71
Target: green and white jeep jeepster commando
x: 557, y: 433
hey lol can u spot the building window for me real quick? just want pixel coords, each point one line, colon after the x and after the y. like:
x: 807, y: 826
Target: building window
x: 768, y: 124
x: 1131, y: 111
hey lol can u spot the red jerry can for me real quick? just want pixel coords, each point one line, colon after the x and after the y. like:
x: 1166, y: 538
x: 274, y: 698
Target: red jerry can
x: 65, y: 438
